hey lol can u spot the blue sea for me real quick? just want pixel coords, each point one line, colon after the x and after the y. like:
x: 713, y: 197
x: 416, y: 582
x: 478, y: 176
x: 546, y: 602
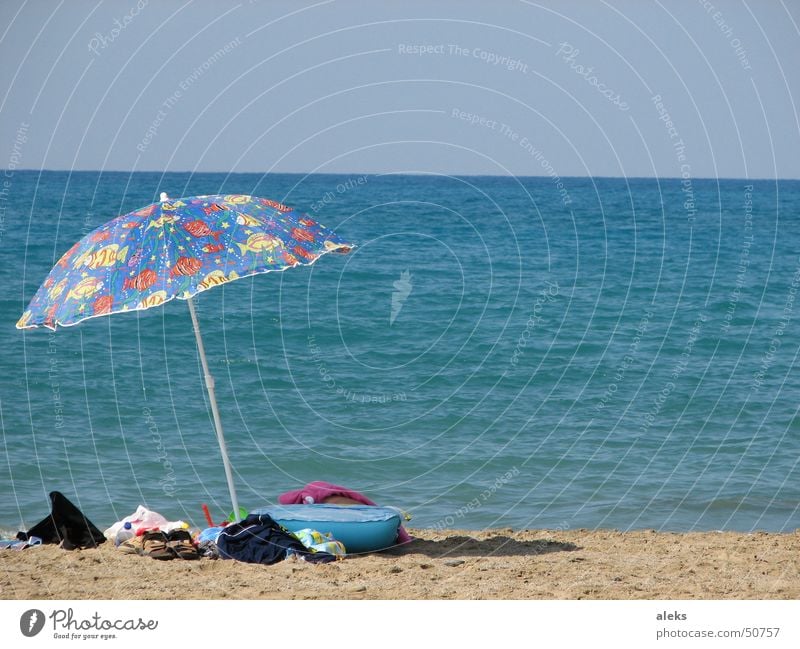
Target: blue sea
x: 496, y: 352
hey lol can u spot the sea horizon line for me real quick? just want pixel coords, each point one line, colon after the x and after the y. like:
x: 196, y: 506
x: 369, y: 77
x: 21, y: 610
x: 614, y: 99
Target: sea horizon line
x: 401, y: 173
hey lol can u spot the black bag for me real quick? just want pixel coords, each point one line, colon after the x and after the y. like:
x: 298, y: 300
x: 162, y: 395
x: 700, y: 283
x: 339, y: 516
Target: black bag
x: 66, y: 525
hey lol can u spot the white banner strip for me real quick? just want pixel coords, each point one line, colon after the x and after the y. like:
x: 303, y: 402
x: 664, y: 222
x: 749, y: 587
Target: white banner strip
x: 400, y: 624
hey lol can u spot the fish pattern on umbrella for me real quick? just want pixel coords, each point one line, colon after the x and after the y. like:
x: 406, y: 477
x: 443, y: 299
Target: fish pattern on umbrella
x: 175, y: 249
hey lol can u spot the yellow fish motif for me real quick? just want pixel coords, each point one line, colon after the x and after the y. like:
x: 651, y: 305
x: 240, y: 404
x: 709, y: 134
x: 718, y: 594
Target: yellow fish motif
x: 86, y: 287
x: 258, y: 242
x: 106, y: 256
x: 161, y: 221
x: 58, y: 289
x: 336, y: 247
x: 171, y: 207
x: 236, y: 199
x: 153, y: 300
x: 246, y: 219
x: 215, y: 278
x: 24, y: 320
x: 81, y: 259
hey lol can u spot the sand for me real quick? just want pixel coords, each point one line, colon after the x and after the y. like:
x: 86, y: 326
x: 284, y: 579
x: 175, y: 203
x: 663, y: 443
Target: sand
x: 450, y: 564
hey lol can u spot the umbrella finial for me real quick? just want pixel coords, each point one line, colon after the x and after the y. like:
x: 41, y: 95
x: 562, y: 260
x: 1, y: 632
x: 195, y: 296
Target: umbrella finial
x: 163, y: 197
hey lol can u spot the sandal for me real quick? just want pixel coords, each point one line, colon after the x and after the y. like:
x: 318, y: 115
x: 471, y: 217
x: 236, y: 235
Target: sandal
x: 180, y: 544
x: 154, y: 545
x: 131, y: 546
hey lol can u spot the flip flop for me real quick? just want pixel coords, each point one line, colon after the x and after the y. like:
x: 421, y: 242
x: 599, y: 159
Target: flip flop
x: 154, y: 545
x: 179, y: 542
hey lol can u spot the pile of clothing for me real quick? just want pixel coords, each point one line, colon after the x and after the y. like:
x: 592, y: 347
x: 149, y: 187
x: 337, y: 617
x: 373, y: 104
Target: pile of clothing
x: 258, y: 538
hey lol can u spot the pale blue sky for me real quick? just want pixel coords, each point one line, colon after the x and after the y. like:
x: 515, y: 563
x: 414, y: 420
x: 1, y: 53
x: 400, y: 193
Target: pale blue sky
x: 359, y: 86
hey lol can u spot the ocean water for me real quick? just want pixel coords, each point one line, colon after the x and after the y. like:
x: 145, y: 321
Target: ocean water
x: 496, y: 352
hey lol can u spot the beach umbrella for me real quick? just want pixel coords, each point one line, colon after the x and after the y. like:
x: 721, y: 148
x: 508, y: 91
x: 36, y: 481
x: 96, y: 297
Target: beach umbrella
x: 177, y: 249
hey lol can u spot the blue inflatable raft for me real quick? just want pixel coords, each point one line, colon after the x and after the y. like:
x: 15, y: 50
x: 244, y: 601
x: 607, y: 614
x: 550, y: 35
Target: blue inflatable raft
x: 361, y: 528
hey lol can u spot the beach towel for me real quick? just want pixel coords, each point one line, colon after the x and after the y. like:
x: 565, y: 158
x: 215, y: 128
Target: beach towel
x: 259, y: 539
x: 320, y: 542
x: 66, y: 525
x: 318, y: 492
x: 31, y: 541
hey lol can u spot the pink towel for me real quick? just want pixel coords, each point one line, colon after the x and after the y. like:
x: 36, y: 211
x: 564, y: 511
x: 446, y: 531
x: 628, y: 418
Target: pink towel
x: 317, y: 492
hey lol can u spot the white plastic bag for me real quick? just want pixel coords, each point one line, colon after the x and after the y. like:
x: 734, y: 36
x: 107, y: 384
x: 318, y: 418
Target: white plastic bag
x: 141, y: 518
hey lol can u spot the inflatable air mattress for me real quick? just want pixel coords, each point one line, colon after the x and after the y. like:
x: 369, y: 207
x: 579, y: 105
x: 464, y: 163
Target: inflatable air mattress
x: 361, y: 528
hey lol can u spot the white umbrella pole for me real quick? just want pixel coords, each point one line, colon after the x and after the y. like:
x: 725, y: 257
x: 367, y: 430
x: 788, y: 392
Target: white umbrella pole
x: 215, y: 411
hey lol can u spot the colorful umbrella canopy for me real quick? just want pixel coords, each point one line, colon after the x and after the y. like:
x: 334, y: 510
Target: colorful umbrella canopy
x: 176, y: 249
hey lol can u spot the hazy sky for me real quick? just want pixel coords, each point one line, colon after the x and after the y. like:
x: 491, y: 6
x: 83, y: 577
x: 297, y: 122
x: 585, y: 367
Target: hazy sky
x: 634, y: 88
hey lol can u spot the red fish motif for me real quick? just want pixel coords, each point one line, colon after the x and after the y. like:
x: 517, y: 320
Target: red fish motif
x: 142, y: 281
x: 298, y: 234
x: 102, y: 304
x: 97, y: 237
x: 65, y: 258
x: 307, y: 222
x: 50, y: 316
x: 302, y: 252
x: 186, y: 266
x: 278, y: 206
x: 213, y: 247
x: 200, y: 228
x: 131, y: 224
x: 289, y: 258
x: 213, y: 208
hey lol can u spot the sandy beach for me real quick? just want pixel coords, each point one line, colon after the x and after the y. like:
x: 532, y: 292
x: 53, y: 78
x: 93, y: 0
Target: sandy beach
x: 449, y: 564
